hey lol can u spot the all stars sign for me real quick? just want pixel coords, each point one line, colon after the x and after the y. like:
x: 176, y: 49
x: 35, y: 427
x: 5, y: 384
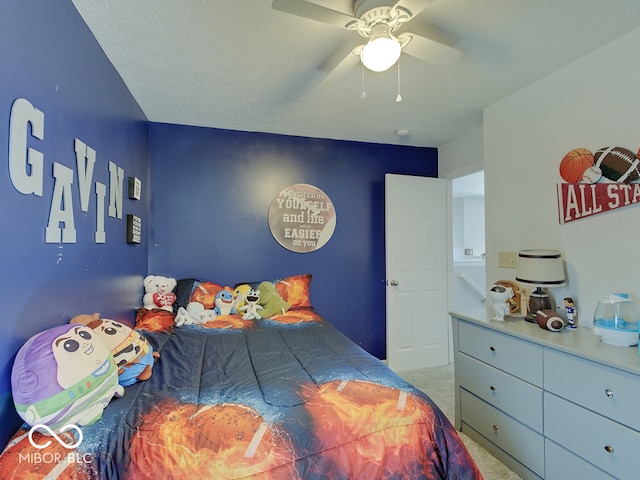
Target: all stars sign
x: 579, y: 200
x: 597, y: 183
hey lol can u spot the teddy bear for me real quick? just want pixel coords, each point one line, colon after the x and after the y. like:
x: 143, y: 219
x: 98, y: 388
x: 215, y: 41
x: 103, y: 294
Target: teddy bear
x: 133, y: 354
x: 159, y: 292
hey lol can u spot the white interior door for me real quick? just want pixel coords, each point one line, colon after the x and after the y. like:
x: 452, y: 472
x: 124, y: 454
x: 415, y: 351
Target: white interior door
x: 416, y: 264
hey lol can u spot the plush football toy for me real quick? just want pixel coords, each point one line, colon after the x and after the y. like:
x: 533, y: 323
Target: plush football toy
x: 549, y: 320
x: 159, y: 292
x: 64, y: 375
x: 133, y: 354
x: 272, y: 303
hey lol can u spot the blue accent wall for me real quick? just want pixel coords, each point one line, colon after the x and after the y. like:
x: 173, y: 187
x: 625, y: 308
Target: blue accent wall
x: 211, y: 191
x: 49, y: 57
x: 205, y: 197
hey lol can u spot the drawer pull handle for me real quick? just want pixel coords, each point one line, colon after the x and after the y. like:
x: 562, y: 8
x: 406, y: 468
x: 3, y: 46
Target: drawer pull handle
x: 608, y: 393
x: 493, y: 349
x: 492, y: 388
x: 608, y: 448
x: 495, y: 428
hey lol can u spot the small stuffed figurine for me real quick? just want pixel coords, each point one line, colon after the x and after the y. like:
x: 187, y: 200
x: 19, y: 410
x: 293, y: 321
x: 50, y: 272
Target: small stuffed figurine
x: 224, y: 303
x: 159, y: 292
x: 133, y: 354
x: 499, y: 296
x: 194, y: 314
x: 240, y: 295
x: 251, y: 307
x: 64, y: 375
x: 272, y: 303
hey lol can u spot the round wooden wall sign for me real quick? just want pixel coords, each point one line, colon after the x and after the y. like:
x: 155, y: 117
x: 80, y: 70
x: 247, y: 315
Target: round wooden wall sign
x: 302, y: 218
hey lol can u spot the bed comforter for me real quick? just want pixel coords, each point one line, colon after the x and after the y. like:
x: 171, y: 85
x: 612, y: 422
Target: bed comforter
x: 285, y: 398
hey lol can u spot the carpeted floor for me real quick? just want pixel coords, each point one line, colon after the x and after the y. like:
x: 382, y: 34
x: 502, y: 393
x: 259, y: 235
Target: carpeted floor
x: 437, y: 382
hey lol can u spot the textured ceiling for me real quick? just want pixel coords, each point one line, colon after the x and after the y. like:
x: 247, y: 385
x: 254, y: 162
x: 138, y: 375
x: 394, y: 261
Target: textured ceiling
x: 240, y: 65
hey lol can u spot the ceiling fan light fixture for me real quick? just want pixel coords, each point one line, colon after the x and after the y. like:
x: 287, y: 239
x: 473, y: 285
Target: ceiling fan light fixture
x: 381, y: 52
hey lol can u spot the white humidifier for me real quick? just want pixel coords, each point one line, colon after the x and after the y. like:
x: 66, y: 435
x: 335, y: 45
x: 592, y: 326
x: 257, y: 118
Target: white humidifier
x: 615, y: 320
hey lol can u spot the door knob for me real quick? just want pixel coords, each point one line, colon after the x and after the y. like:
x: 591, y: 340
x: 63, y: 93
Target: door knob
x: 393, y: 283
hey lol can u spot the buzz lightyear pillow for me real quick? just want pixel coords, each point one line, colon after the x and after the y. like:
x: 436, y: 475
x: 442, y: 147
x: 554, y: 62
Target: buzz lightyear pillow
x: 64, y: 375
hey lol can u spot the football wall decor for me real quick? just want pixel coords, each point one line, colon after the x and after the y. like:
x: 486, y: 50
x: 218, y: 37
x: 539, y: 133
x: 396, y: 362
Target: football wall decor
x: 597, y: 182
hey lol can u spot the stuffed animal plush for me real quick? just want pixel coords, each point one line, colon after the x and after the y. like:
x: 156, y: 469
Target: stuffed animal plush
x: 224, y: 302
x: 194, y: 314
x: 240, y: 295
x: 159, y: 292
x: 251, y: 307
x: 133, y: 354
x: 272, y: 303
x: 64, y: 375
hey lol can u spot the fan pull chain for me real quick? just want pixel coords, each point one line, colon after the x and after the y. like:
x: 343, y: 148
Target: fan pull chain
x: 362, y: 93
x: 398, y: 97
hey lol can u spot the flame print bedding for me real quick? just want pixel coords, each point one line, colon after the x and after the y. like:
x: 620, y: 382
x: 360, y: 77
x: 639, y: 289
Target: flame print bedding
x: 287, y: 398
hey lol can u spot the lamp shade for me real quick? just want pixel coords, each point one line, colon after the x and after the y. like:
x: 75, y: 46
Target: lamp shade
x: 540, y: 267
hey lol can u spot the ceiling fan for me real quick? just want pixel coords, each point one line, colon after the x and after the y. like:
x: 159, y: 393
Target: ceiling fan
x: 378, y: 21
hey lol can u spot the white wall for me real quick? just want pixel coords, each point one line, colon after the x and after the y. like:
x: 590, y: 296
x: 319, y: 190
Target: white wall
x: 468, y: 228
x: 591, y: 103
x: 461, y: 156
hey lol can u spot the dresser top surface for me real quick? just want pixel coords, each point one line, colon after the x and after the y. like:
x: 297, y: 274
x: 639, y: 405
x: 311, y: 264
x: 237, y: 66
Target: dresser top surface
x: 580, y: 341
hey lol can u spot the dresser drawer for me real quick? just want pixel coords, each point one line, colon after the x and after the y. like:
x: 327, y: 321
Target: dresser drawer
x: 506, y: 392
x: 607, y: 391
x: 514, y: 356
x: 561, y: 464
x: 610, y: 446
x: 515, y: 438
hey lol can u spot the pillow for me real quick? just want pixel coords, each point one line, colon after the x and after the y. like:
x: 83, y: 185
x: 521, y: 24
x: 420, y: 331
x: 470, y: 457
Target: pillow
x: 205, y: 293
x: 295, y: 290
x: 133, y: 354
x: 193, y: 290
x: 55, y: 381
x: 183, y: 290
x: 155, y: 320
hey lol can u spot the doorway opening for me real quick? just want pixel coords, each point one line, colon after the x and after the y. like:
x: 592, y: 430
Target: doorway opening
x: 468, y: 237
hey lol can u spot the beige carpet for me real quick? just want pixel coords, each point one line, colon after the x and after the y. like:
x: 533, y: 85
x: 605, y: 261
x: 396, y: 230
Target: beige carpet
x: 437, y: 382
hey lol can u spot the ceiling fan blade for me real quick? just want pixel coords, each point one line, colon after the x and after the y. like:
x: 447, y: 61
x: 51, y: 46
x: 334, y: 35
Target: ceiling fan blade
x: 313, y: 11
x: 429, y: 50
x: 415, y: 7
x: 341, y: 69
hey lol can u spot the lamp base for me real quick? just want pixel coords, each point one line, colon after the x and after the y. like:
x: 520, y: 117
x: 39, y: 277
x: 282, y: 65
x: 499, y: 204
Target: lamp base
x: 538, y: 300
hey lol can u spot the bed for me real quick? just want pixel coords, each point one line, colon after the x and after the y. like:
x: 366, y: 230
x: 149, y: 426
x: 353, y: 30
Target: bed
x: 287, y: 397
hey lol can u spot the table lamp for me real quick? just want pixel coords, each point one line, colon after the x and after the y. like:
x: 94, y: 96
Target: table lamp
x: 542, y: 268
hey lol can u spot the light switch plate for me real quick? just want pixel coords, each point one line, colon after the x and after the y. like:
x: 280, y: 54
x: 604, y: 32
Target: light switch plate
x: 507, y: 259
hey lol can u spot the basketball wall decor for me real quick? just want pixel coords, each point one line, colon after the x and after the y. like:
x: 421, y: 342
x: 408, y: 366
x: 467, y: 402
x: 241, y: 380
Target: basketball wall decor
x: 597, y: 182
x: 575, y: 163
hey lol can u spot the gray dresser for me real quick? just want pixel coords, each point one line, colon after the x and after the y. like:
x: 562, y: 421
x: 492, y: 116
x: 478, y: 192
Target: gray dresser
x: 549, y: 405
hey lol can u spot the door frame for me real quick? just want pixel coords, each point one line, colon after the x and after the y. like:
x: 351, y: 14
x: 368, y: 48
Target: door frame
x: 450, y: 177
